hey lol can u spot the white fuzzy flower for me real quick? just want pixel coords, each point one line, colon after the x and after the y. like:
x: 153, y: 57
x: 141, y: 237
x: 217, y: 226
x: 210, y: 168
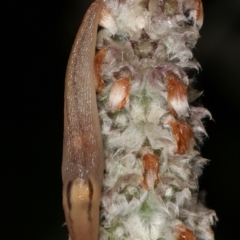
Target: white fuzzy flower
x: 150, y: 129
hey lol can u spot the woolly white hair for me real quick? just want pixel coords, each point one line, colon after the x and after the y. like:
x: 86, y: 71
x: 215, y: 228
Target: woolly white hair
x: 145, y: 41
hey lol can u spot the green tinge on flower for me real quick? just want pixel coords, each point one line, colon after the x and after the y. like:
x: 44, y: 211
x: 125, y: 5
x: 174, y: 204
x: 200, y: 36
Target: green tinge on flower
x: 149, y: 127
x: 170, y: 7
x: 143, y: 48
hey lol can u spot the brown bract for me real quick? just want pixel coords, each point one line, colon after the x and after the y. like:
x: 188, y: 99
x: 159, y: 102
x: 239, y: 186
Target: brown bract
x: 98, y: 59
x: 150, y: 170
x: 107, y: 21
x: 185, y: 233
x: 104, y: 14
x: 177, y: 93
x: 199, y: 10
x: 183, y: 135
x: 119, y: 93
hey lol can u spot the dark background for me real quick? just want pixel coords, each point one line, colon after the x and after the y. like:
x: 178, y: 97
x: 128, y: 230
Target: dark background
x: 37, y: 38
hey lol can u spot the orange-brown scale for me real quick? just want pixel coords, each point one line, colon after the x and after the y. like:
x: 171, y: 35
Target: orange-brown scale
x: 183, y: 135
x: 150, y: 166
x: 176, y: 89
x: 107, y: 20
x: 119, y: 93
x: 185, y: 233
x: 104, y: 13
x: 98, y: 59
x: 199, y: 9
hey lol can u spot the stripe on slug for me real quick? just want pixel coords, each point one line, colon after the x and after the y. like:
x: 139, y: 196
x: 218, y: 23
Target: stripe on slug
x: 119, y: 93
x: 90, y: 186
x: 177, y: 95
x: 150, y: 170
x: 98, y: 59
x: 69, y: 186
x: 183, y: 135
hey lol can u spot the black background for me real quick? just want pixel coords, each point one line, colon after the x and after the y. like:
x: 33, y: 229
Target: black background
x: 37, y: 38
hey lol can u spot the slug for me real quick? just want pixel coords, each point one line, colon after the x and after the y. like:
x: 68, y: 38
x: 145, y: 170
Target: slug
x: 82, y: 166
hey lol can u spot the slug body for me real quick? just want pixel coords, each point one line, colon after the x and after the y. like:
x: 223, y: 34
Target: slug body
x: 82, y: 166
